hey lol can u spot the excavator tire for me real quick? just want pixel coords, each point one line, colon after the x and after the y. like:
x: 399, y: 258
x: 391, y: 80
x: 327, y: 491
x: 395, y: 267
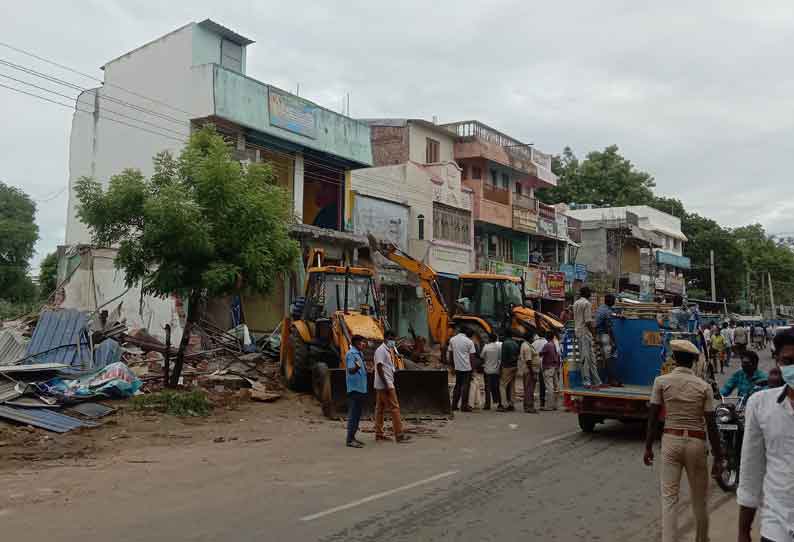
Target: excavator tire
x: 296, y: 371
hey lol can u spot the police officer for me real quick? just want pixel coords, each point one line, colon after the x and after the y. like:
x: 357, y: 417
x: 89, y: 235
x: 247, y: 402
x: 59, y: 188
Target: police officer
x: 687, y: 400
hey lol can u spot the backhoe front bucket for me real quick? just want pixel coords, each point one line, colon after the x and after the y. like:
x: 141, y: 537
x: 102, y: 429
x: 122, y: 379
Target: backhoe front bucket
x: 420, y: 392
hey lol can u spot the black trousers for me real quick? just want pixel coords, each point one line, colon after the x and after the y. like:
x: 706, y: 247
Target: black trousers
x: 461, y: 391
x: 542, y: 389
x: 492, y: 390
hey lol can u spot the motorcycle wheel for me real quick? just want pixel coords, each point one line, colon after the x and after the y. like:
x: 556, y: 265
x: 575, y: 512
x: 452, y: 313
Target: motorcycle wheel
x: 729, y: 478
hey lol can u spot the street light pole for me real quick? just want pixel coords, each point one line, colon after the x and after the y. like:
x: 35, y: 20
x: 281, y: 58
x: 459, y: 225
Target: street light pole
x: 713, y: 279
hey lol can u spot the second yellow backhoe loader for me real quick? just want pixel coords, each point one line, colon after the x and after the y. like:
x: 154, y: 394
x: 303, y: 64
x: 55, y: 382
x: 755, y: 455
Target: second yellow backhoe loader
x: 340, y: 302
x: 487, y: 303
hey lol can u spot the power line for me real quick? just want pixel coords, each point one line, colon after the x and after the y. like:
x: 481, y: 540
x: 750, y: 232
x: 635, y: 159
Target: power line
x: 67, y: 68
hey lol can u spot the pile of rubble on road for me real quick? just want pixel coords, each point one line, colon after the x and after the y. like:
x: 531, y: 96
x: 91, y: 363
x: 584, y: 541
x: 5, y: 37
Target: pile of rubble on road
x: 55, y: 366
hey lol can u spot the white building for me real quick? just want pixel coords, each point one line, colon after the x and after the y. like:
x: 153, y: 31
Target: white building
x: 415, y: 199
x: 154, y: 95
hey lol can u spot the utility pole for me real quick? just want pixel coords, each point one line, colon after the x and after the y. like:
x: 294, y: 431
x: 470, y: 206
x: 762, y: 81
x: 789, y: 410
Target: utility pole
x: 761, y: 297
x: 747, y: 289
x: 771, y: 295
x: 713, y: 279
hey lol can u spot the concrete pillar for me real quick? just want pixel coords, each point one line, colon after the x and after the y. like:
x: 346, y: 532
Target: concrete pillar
x: 297, y: 187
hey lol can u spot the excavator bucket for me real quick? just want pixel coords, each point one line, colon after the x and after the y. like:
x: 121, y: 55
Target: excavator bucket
x: 421, y: 392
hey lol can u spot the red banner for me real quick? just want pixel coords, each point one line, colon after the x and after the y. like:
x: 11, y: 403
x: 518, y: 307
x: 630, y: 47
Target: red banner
x: 556, y: 285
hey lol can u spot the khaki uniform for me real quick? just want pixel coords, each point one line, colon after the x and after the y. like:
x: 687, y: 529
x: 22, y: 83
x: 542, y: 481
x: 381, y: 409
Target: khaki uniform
x: 686, y: 399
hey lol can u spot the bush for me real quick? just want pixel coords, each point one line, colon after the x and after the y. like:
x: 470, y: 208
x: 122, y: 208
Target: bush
x: 10, y: 310
x: 176, y: 403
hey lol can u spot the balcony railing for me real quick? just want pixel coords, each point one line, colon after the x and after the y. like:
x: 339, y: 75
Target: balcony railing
x: 476, y: 129
x: 575, y: 234
x: 547, y: 211
x: 525, y: 202
x: 498, y: 195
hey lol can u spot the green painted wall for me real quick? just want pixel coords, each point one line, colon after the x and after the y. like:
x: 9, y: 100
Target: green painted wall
x: 520, y: 249
x: 245, y: 101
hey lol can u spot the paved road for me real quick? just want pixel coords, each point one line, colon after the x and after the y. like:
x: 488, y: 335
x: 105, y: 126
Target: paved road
x: 484, y: 476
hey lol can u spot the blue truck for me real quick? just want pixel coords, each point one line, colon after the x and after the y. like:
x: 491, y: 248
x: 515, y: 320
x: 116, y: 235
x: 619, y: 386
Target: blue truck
x: 641, y: 355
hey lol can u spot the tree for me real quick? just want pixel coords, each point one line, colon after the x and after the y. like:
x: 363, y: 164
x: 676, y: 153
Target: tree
x: 48, y: 274
x: 603, y: 178
x: 19, y: 234
x: 203, y: 224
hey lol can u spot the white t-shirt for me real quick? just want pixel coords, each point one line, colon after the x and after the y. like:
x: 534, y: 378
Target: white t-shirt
x: 491, y: 355
x: 383, y: 357
x: 461, y: 347
x: 707, y: 335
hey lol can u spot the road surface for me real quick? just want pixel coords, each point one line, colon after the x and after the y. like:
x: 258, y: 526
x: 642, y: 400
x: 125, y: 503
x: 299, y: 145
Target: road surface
x: 484, y: 476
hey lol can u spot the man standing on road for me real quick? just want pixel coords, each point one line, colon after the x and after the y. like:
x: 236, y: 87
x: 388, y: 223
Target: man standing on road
x: 766, y: 474
x: 687, y: 400
x: 462, y: 350
x: 740, y: 339
x: 356, y: 373
x: 583, y: 326
x: 492, y: 359
x: 529, y: 362
x: 550, y: 360
x: 510, y: 351
x: 727, y: 334
x: 604, y: 339
x: 385, y: 392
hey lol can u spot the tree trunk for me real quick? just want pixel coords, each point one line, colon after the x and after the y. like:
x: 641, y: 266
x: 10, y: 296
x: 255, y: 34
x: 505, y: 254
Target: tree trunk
x: 192, y: 317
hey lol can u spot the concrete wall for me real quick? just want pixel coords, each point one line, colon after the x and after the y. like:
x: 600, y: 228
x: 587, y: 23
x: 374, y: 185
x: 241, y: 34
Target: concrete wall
x: 389, y: 145
x: 418, y: 134
x: 593, y: 252
x: 245, y: 101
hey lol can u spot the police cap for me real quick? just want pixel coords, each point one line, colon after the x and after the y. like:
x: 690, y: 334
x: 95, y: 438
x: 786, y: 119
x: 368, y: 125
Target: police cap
x: 684, y: 346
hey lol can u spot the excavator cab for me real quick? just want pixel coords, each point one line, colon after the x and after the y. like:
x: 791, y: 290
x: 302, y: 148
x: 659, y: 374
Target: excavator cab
x: 490, y: 297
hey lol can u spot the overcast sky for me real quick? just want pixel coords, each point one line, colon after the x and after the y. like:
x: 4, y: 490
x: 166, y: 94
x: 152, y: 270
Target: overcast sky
x: 697, y: 93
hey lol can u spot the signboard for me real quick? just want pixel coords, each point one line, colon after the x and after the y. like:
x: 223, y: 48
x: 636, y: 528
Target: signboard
x: 651, y: 338
x: 291, y: 113
x: 383, y: 219
x: 660, y: 283
x: 574, y: 272
x: 555, y: 282
x: 525, y: 220
x: 674, y: 260
x: 547, y: 227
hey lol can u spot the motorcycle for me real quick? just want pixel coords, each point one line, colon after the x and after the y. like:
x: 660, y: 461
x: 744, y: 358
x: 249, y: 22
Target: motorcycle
x: 730, y: 426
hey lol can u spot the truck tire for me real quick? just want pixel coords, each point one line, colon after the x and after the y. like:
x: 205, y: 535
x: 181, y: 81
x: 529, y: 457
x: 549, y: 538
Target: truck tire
x: 587, y: 423
x: 297, y: 371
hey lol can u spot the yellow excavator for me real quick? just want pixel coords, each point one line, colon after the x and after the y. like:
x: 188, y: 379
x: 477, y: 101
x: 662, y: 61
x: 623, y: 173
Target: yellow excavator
x: 340, y: 302
x: 487, y: 303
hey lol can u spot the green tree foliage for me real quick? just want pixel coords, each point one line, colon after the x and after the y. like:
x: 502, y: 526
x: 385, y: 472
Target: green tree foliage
x: 603, y: 178
x: 201, y: 225
x: 18, y: 234
x: 48, y: 274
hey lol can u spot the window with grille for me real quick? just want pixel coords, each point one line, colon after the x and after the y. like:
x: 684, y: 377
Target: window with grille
x: 432, y: 151
x: 451, y: 224
x: 476, y: 172
x: 505, y: 181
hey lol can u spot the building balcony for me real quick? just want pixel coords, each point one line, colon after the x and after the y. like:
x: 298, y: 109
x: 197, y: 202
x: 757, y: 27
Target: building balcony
x: 278, y: 118
x: 478, y: 140
x: 490, y: 204
x: 525, y: 202
x: 496, y: 194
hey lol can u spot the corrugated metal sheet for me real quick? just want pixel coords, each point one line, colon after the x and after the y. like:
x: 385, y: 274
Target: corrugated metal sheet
x: 109, y: 351
x: 8, y: 391
x: 12, y: 346
x: 55, y: 338
x: 46, y: 419
x: 92, y: 410
x: 32, y: 368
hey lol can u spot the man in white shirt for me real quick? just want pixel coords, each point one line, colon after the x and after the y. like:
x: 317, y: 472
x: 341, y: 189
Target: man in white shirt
x: 766, y: 474
x: 584, y: 328
x: 462, y: 351
x: 385, y: 392
x: 727, y: 334
x: 492, y: 359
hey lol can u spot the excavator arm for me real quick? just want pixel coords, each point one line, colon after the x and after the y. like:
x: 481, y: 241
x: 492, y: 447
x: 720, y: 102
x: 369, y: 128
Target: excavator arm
x: 437, y: 313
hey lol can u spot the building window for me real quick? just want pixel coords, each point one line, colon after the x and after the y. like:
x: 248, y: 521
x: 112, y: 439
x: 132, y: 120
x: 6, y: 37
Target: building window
x: 667, y: 243
x: 464, y: 171
x: 232, y: 55
x: 677, y: 244
x: 505, y: 181
x: 432, y: 151
x: 476, y: 172
x: 451, y: 224
x: 494, y: 178
x: 504, y: 249
x: 421, y: 223
x: 517, y: 188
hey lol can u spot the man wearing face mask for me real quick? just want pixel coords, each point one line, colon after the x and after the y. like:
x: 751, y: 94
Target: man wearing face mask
x: 385, y: 392
x: 766, y: 474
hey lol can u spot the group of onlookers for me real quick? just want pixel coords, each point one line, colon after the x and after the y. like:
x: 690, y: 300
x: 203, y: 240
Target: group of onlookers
x: 537, y: 363
x: 732, y: 339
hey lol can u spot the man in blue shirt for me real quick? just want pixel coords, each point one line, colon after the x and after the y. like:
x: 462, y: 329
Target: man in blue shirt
x: 745, y: 379
x: 604, y: 338
x: 356, y: 373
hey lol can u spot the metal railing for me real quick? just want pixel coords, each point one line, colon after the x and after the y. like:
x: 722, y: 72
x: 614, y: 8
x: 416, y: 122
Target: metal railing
x: 476, y: 129
x: 547, y: 211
